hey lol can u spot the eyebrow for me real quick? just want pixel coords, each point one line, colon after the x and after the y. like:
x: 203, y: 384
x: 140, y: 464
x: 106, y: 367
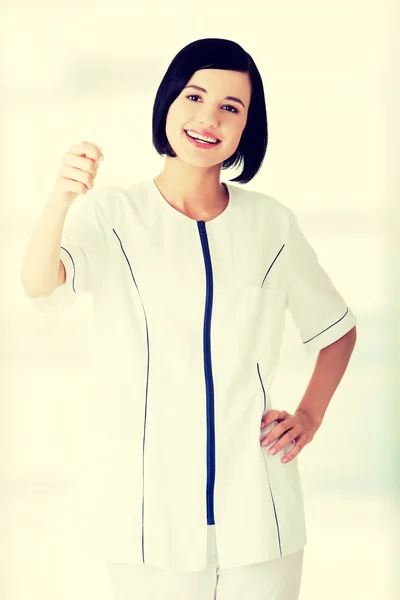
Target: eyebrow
x: 232, y: 98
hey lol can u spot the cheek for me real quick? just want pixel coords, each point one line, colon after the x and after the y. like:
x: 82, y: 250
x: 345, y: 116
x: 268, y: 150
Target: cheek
x: 176, y: 120
x: 234, y: 134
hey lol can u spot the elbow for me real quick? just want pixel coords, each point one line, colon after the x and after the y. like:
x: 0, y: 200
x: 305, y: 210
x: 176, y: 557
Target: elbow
x: 31, y: 292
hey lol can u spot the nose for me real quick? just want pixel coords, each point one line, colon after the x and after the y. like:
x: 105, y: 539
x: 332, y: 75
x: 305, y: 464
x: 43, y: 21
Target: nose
x: 208, y: 118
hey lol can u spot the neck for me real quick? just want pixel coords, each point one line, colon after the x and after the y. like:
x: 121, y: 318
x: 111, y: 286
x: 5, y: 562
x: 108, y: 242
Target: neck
x: 192, y: 190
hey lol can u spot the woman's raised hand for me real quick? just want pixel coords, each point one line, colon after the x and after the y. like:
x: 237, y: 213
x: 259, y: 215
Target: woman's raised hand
x: 77, y: 173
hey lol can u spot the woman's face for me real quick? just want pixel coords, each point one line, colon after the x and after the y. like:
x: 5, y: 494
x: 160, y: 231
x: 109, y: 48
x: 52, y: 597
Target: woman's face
x: 209, y: 110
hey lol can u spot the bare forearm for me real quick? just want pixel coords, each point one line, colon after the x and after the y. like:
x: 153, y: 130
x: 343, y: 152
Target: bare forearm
x: 39, y: 273
x: 329, y: 369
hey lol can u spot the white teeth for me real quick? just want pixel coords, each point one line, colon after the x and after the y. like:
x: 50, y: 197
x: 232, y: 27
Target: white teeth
x: 197, y: 136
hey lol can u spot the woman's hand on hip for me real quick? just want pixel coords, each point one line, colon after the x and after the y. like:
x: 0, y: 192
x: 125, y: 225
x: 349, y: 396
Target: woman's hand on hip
x: 299, y: 427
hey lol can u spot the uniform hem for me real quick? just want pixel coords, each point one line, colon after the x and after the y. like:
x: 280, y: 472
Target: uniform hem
x: 332, y: 333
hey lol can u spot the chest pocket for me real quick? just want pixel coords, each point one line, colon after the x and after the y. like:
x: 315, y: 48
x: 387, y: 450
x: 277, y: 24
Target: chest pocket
x: 250, y: 321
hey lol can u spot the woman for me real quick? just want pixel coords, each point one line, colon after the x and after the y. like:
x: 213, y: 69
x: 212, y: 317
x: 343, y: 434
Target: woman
x: 190, y: 280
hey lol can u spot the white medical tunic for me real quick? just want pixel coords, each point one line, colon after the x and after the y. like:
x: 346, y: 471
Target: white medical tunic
x: 189, y: 316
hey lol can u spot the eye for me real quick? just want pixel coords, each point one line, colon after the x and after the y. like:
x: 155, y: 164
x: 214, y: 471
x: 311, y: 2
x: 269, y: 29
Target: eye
x: 235, y: 110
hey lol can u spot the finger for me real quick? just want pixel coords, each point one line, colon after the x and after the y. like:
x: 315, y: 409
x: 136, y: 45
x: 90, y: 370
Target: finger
x: 282, y: 432
x: 271, y: 432
x: 282, y: 423
x: 81, y: 162
x: 271, y: 415
x: 86, y: 149
x: 292, y: 453
x: 284, y: 435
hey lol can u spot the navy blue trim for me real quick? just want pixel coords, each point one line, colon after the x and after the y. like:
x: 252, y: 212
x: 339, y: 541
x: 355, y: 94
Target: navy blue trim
x: 262, y: 385
x: 147, y: 387
x: 272, y: 264
x: 273, y: 503
x: 276, y: 517
x: 327, y: 327
x: 208, y: 374
x: 73, y: 264
x: 269, y: 484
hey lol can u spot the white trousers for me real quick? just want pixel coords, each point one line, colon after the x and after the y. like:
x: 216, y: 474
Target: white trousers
x: 277, y: 579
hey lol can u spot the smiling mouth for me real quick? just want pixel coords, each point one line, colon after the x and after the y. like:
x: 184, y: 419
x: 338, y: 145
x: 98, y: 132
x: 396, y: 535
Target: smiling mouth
x: 202, y: 141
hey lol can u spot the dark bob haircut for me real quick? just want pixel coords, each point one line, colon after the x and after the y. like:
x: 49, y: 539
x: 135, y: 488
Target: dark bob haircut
x: 216, y: 53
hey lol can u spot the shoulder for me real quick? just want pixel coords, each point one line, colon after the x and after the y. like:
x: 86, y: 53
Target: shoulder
x: 262, y: 205
x: 107, y: 202
x: 104, y: 198
x: 112, y: 196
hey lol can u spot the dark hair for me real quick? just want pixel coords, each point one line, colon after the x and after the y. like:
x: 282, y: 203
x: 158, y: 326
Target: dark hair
x: 216, y: 53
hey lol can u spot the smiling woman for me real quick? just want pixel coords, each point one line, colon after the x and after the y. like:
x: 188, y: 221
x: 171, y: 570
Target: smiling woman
x: 226, y: 116
x: 190, y: 309
x: 229, y: 104
x: 214, y: 126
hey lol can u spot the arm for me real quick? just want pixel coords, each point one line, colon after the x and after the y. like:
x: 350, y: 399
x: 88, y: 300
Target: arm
x: 329, y: 369
x: 42, y: 270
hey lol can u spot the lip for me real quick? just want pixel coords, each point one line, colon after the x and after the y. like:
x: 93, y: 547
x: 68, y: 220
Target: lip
x: 204, y: 132
x: 200, y: 145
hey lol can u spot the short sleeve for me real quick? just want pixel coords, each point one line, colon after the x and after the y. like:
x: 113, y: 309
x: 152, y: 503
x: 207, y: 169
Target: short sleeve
x: 83, y: 252
x: 319, y: 312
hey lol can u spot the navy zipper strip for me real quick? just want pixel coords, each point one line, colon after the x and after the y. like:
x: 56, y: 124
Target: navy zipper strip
x: 208, y: 374
x: 147, y: 386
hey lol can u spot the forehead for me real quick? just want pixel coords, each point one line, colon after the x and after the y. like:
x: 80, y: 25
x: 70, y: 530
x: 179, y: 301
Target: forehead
x: 221, y: 82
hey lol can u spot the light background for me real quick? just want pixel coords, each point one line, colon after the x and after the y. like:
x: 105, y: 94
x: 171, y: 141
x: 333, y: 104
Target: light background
x: 90, y: 71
